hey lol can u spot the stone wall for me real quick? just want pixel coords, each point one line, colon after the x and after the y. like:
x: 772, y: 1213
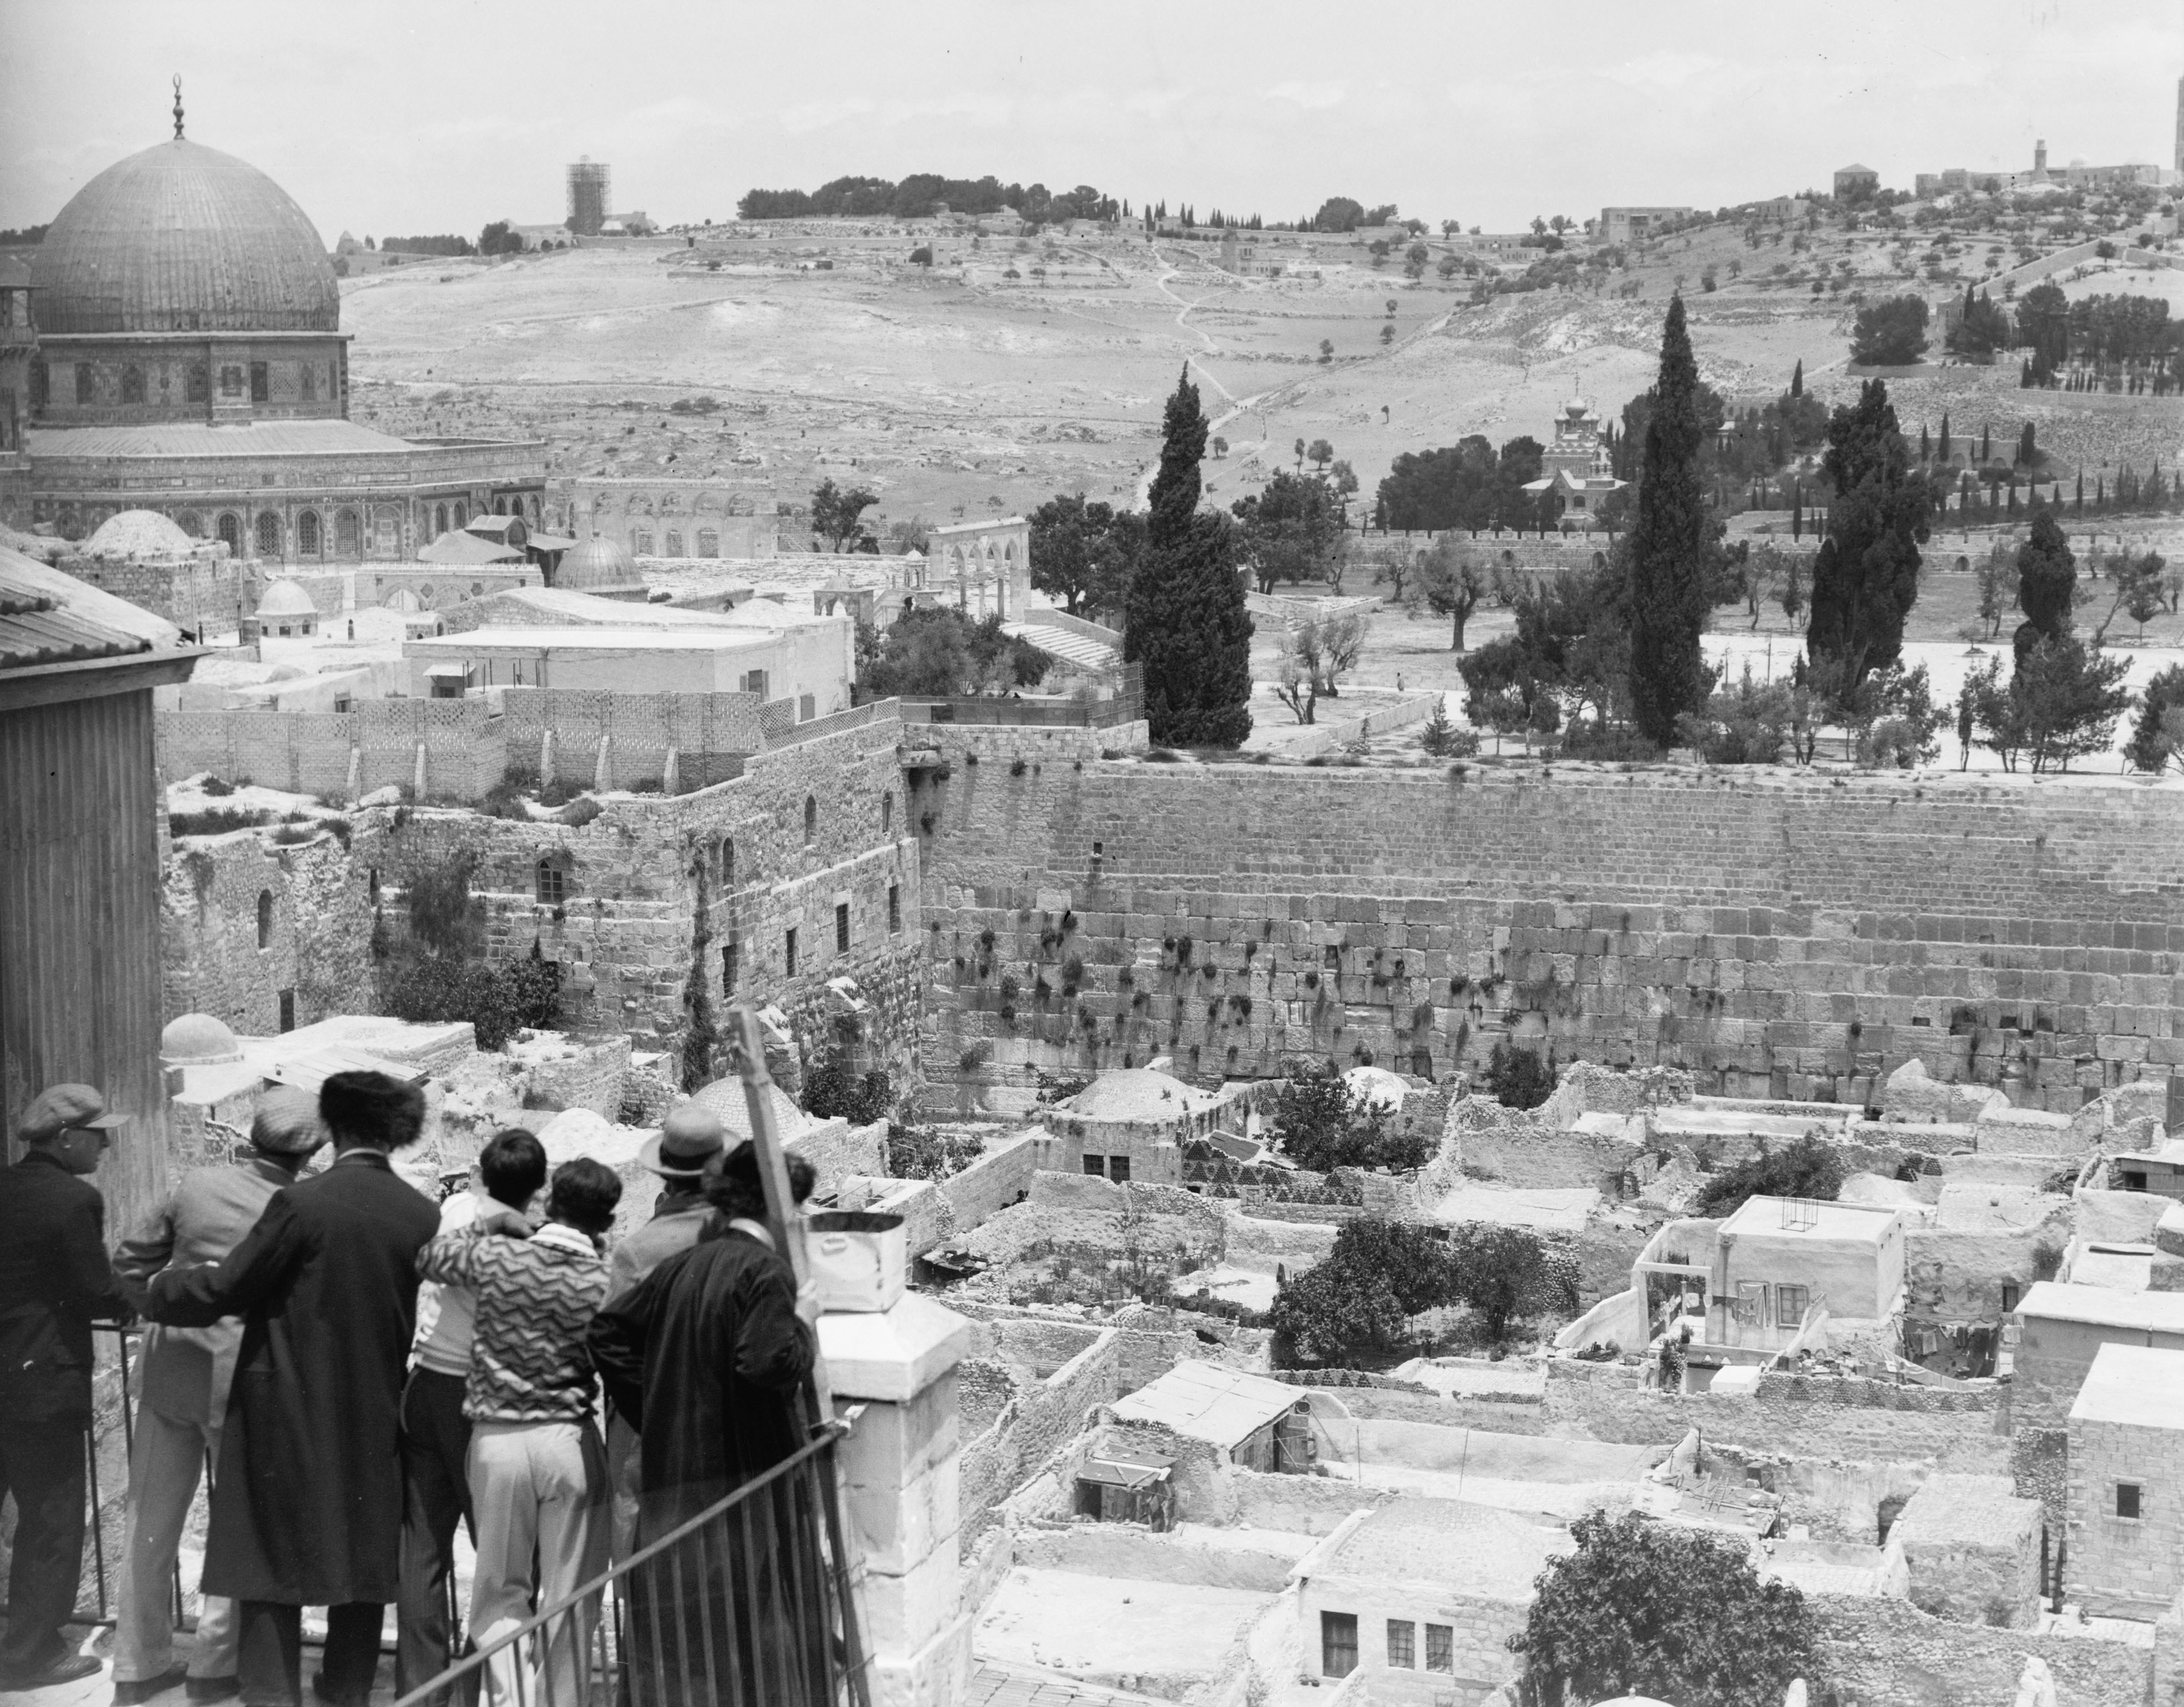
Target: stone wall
x: 1882, y: 1651
x: 1036, y: 1424
x: 342, y: 754
x: 317, y: 948
x: 1786, y: 934
x: 1963, y: 1430
x: 2121, y: 1567
x: 657, y: 888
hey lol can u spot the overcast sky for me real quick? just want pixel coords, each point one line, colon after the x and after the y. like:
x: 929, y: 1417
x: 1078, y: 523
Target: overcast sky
x: 415, y: 116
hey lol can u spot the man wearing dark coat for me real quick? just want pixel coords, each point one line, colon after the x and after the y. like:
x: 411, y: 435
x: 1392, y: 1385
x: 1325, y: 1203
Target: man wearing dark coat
x: 306, y: 1508
x: 705, y: 1357
x: 54, y: 1278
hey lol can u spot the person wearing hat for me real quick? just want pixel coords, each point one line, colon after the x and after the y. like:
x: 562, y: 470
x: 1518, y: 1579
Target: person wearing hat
x: 307, y: 1505
x: 691, y: 1137
x: 185, y: 1372
x: 54, y: 1280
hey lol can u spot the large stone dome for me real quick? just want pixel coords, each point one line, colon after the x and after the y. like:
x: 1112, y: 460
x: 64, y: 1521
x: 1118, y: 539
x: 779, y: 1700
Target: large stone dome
x: 197, y: 1039
x: 183, y: 238
x: 138, y: 534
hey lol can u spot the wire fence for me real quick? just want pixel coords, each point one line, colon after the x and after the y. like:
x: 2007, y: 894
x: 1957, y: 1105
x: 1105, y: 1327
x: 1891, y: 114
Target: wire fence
x: 748, y: 1604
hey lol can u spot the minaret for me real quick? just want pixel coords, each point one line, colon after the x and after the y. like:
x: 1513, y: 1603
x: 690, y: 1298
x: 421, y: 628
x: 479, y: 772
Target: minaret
x: 2180, y: 125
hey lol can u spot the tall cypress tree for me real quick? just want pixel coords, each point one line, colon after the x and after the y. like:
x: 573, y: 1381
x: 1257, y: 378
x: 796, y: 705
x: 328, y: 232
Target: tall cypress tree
x: 1943, y: 452
x: 1865, y: 577
x: 1797, y: 378
x: 1186, y: 623
x: 1667, y: 592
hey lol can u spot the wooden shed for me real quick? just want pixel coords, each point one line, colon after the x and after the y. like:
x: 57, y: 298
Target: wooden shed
x: 79, y: 877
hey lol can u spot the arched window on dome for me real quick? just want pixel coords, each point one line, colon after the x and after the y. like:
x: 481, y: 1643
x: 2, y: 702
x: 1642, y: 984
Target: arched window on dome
x: 307, y: 533
x: 269, y: 534
x: 439, y: 519
x: 500, y: 506
x: 265, y: 918
x: 230, y: 533
x: 132, y: 383
x: 348, y: 533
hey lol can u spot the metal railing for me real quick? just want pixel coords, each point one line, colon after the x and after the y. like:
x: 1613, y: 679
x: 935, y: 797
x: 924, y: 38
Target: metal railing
x: 748, y: 1604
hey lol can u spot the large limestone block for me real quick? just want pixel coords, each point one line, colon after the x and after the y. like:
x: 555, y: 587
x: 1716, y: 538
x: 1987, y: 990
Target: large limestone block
x: 1912, y: 1097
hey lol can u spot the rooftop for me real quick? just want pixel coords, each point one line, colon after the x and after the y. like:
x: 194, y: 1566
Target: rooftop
x: 1457, y: 1547
x: 2057, y: 1301
x: 1209, y: 1402
x: 478, y: 641
x: 50, y: 617
x: 1138, y: 1093
x: 2142, y: 1386
x: 1805, y: 1218
x: 198, y: 439
x: 1951, y: 1509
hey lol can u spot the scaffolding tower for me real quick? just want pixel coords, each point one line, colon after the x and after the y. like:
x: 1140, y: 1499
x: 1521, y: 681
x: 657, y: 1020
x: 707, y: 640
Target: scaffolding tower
x: 587, y: 197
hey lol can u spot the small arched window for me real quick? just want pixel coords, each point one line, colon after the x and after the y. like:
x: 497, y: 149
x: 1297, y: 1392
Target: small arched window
x: 269, y: 534
x: 810, y: 817
x: 462, y: 515
x: 231, y: 532
x: 265, y: 918
x: 307, y: 533
x: 553, y: 883
x: 726, y: 860
x: 887, y: 812
x: 439, y: 519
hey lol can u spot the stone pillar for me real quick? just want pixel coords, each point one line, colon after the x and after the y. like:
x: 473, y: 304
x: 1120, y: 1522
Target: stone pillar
x: 669, y: 776
x: 546, y: 757
x: 417, y: 781
x: 355, y: 774
x: 603, y: 769
x: 900, y: 1464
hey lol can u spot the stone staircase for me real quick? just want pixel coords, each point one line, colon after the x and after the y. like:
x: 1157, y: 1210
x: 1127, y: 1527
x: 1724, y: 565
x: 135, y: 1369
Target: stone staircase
x: 1079, y: 649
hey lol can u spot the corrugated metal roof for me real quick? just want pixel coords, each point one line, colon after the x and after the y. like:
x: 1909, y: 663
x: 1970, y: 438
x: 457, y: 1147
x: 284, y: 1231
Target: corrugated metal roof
x: 1209, y: 1402
x: 199, y: 438
x: 35, y: 627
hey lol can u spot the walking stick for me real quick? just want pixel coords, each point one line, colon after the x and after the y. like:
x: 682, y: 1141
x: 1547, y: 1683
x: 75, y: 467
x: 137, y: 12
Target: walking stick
x: 748, y: 1045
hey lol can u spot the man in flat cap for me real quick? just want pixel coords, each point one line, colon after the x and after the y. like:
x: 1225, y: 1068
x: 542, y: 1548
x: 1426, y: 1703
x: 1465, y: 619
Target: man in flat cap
x: 184, y: 1401
x: 307, y: 1507
x: 54, y: 1280
x: 691, y: 1137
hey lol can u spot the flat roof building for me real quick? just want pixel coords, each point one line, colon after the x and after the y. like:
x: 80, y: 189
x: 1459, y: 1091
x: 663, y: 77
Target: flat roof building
x: 2126, y: 1484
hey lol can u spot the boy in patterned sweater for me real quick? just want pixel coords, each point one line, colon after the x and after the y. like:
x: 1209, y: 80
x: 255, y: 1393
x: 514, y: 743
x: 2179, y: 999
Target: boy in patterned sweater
x: 538, y: 1471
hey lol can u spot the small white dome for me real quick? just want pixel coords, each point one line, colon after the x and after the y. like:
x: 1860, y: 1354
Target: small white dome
x: 138, y: 534
x: 197, y: 1039
x: 286, y: 599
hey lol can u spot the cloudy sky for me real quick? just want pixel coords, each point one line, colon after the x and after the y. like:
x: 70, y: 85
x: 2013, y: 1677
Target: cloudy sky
x: 414, y: 116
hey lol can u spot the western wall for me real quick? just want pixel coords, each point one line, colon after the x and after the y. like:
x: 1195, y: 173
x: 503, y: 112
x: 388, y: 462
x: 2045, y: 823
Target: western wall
x: 1782, y: 934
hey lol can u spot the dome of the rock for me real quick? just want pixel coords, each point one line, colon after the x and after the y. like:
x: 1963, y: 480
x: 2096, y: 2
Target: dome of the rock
x: 138, y: 534
x: 181, y: 238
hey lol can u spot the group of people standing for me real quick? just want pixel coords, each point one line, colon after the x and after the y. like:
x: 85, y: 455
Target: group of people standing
x: 363, y: 1373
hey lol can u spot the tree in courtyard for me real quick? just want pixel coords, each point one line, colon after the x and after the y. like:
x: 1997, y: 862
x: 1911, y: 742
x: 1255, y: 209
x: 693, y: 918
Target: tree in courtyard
x: 943, y: 653
x: 1865, y: 579
x: 1186, y: 623
x: 1504, y: 1274
x: 1644, y: 1607
x: 1083, y: 552
x: 1315, y: 655
x: 1290, y: 531
x: 1450, y: 581
x: 1354, y: 1307
x: 837, y: 516
x: 2157, y: 739
x: 1667, y: 591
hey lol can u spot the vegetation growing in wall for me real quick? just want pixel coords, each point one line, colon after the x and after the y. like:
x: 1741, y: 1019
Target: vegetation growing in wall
x: 834, y: 1089
x: 1807, y: 1168
x: 920, y: 1152
x: 1653, y: 1609
x: 1518, y: 1077
x: 439, y: 972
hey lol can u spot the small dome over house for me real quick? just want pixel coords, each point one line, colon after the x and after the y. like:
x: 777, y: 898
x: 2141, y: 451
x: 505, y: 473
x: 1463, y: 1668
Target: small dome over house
x: 138, y: 534
x: 598, y: 563
x: 196, y: 1039
x: 1138, y: 1094
x: 286, y: 600
x: 724, y: 1097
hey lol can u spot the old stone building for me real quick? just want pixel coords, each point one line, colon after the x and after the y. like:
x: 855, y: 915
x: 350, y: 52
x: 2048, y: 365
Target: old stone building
x: 672, y: 518
x: 186, y: 354
x: 2126, y: 1484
